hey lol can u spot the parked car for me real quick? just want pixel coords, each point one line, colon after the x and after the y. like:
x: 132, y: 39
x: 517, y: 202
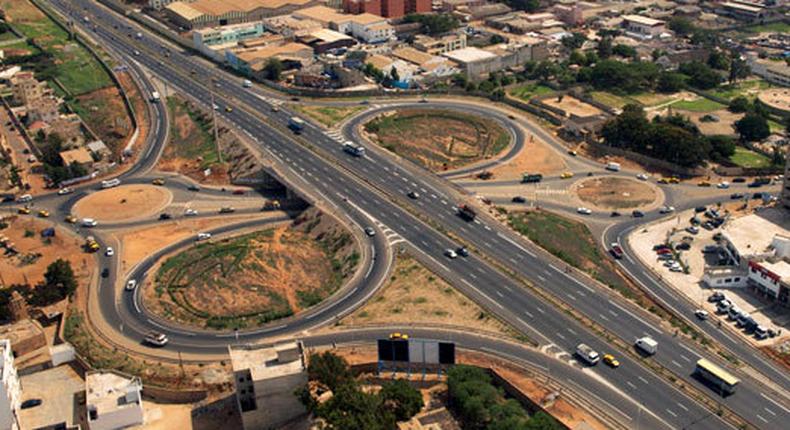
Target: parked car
x: 692, y: 229
x: 30, y: 403
x: 716, y: 297
x: 736, y: 196
x: 739, y: 180
x: 685, y: 246
x: 519, y: 199
x: 700, y: 209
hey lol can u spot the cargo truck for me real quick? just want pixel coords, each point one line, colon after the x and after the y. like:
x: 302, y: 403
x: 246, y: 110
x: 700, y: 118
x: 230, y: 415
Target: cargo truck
x: 91, y: 245
x: 647, y: 344
x: 355, y: 150
x: 466, y: 212
x: 531, y: 178
x: 614, y: 167
x: 154, y: 97
x: 586, y: 353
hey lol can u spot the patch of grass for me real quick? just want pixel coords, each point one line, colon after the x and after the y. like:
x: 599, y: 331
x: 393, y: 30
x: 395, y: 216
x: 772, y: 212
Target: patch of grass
x: 328, y: 115
x: 775, y: 127
x: 609, y: 99
x: 744, y: 157
x: 192, y: 136
x: 569, y: 240
x: 528, y: 91
x: 743, y: 88
x: 698, y: 105
x: 651, y: 99
x: 74, y: 67
x: 774, y: 27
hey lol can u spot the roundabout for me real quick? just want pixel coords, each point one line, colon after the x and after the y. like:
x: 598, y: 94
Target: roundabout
x: 123, y: 203
x: 610, y: 192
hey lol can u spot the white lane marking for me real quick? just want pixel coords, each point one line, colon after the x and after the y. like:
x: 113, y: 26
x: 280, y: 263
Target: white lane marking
x: 512, y: 260
x: 499, y: 293
x: 473, y: 275
x: 770, y: 411
x: 480, y: 292
x: 603, y: 317
x: 542, y: 279
x: 487, y: 227
x: 694, y: 354
x: 643, y: 379
x: 529, y: 314
x: 560, y: 336
x: 762, y: 419
x: 685, y: 358
x: 774, y: 402
x: 540, y: 310
x: 635, y: 317
x: 570, y: 296
x: 676, y: 364
x: 631, y: 384
x: 570, y: 330
x: 672, y: 413
x: 681, y: 406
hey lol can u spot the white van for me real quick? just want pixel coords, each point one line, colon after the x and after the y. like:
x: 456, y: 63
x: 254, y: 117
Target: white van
x: 114, y: 182
x: 647, y: 344
x: 614, y: 167
x: 204, y: 236
x: 24, y: 198
x: 89, y: 222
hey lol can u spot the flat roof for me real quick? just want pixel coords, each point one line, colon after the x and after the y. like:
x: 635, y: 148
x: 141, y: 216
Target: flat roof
x: 781, y: 268
x: 469, y: 55
x: 747, y: 8
x: 264, y: 361
x: 271, y: 51
x: 323, y: 14
x: 412, y: 55
x: 79, y: 155
x: 184, y: 10
x: 639, y: 19
x: 222, y: 7
x: 753, y: 234
x: 379, y: 61
x: 328, y: 35
x: 107, y: 391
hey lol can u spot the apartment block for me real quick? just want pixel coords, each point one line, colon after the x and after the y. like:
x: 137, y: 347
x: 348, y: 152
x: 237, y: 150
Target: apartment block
x: 266, y: 377
x: 11, y: 391
x: 438, y: 46
x: 113, y: 401
x: 387, y: 8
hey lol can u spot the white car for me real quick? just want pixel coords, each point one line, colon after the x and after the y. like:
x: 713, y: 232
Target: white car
x: 583, y: 211
x: 109, y: 251
x: 65, y: 190
x: 723, y: 185
x: 666, y: 209
x: 204, y: 236
x: 642, y: 176
x: 131, y: 285
x: 450, y: 253
x: 190, y: 212
x: 701, y: 314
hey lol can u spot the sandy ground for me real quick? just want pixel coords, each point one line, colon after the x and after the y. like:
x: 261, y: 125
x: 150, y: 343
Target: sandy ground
x: 14, y: 271
x: 572, y: 105
x: 560, y: 408
x: 615, y: 193
x: 778, y: 98
x: 160, y: 416
x: 123, y: 203
x: 691, y: 284
x: 722, y: 126
x: 414, y: 295
x: 535, y: 157
x: 139, y: 243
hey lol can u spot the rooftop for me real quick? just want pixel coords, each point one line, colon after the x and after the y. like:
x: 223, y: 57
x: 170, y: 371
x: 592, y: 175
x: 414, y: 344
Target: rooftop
x: 753, y: 234
x: 222, y: 7
x: 740, y: 6
x: 269, y: 51
x: 268, y: 361
x: 328, y: 36
x: 107, y: 391
x: 79, y: 155
x: 781, y: 268
x: 639, y: 19
x: 327, y: 14
x: 469, y: 55
x: 412, y: 55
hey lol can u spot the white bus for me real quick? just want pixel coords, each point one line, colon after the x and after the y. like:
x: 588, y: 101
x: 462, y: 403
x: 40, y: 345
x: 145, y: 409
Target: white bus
x: 719, y: 378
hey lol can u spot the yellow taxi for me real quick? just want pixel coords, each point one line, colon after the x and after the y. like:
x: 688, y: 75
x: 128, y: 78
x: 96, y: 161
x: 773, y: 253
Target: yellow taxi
x: 566, y: 175
x: 610, y: 360
x: 674, y: 180
x: 23, y: 211
x: 399, y: 336
x: 43, y: 214
x: 703, y: 184
x: 158, y: 181
x: 71, y: 219
x: 228, y: 109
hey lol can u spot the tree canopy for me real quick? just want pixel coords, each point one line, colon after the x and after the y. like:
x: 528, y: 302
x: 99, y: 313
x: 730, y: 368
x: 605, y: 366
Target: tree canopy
x: 434, y: 24
x: 700, y: 75
x: 752, y: 127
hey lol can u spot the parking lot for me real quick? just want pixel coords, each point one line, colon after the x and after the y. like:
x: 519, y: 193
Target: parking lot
x: 59, y: 389
x: 684, y: 269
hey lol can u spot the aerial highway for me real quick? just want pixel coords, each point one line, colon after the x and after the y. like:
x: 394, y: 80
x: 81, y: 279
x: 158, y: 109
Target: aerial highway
x: 360, y: 187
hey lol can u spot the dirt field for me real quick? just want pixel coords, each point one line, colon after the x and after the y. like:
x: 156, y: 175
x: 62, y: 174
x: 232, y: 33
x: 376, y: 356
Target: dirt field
x: 414, y: 295
x: 36, y: 253
x: 615, y: 193
x: 104, y: 112
x: 123, y: 203
x: 572, y: 105
x: 536, y: 156
x: 778, y: 98
x: 438, y: 140
x: 722, y: 126
x: 249, y: 280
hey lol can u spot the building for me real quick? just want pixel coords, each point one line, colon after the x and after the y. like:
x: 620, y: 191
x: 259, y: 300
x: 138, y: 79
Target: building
x: 159, y: 4
x: 387, y: 8
x: 786, y: 182
x: 478, y: 63
x: 324, y: 39
x: 252, y: 61
x: 643, y: 27
x: 770, y: 279
x: 290, y: 26
x: 366, y: 27
x: 447, y: 43
x: 741, y: 11
x: 571, y: 15
x: 26, y: 89
x: 266, y: 377
x: 210, y: 38
x: 775, y: 72
x: 429, y: 65
x: 11, y: 392
x: 212, y: 13
x: 79, y: 156
x: 453, y: 5
x: 113, y: 401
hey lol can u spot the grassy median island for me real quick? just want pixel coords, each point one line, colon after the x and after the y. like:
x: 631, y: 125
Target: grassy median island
x: 438, y: 139
x: 251, y: 279
x: 327, y: 115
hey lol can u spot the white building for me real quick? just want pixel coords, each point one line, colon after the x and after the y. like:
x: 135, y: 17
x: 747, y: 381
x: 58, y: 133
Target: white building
x: 11, y: 393
x: 266, y: 377
x: 771, y: 279
x: 775, y: 72
x: 643, y: 27
x: 367, y: 27
x: 113, y: 401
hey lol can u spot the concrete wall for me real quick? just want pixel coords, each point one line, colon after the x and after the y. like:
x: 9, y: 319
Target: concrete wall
x: 276, y: 402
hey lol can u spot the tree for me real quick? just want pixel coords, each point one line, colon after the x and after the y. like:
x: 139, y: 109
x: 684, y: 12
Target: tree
x: 574, y: 41
x: 394, y: 76
x: 786, y: 121
x: 738, y: 69
x: 577, y: 57
x: 722, y: 147
x: 526, y: 5
x: 353, y: 409
x: 604, y: 48
x: 625, y: 51
x: 401, y: 399
x: 434, y: 23
x: 273, y: 68
x: 59, y: 283
x: 778, y: 156
x: 752, y: 127
x: 670, y: 82
x: 700, y: 75
x: 543, y: 421
x: 329, y: 369
x: 739, y: 104
x: 718, y: 60
x: 681, y: 26
x: 495, y: 39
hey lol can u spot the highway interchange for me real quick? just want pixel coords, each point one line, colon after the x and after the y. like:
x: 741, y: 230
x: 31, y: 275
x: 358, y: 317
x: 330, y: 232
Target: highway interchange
x: 372, y: 191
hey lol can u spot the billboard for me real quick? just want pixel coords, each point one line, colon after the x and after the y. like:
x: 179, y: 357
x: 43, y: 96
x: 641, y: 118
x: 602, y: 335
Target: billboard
x: 416, y: 351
